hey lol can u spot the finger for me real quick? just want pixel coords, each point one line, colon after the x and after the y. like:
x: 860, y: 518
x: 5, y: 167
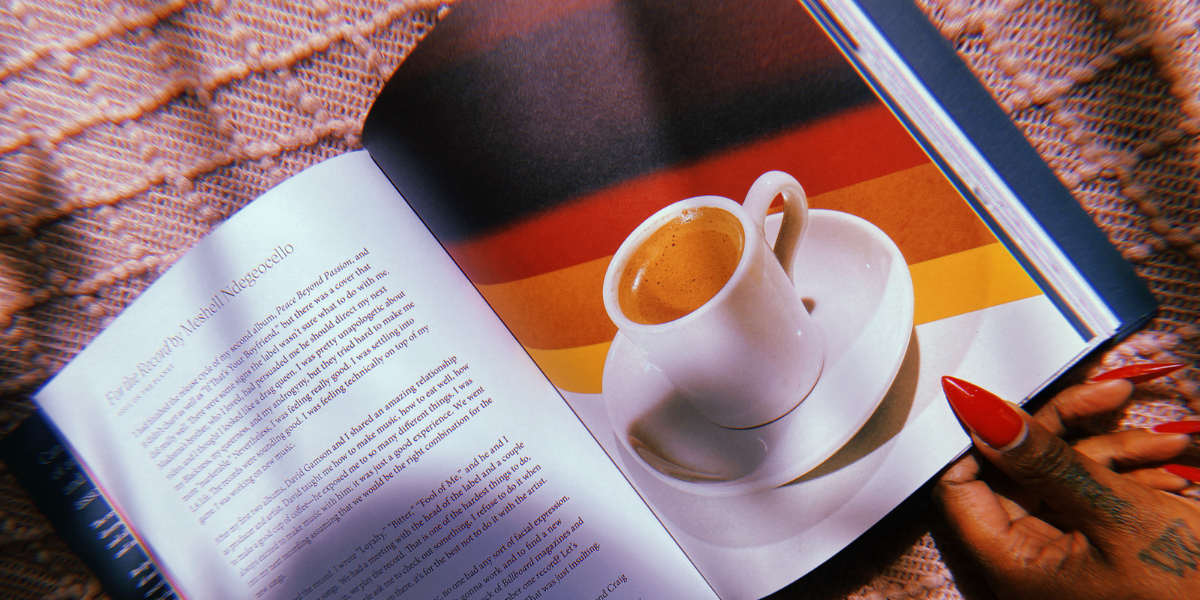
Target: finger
x: 964, y: 470
x: 955, y: 490
x: 1132, y: 448
x: 1079, y: 403
x: 1105, y: 506
x: 1158, y: 479
x: 1003, y: 542
x: 972, y: 509
x: 1140, y: 373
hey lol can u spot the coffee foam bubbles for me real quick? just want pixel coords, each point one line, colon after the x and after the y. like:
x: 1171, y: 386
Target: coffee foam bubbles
x: 681, y: 265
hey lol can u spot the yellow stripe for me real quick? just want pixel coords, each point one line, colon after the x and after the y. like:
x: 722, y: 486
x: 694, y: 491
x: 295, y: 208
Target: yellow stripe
x: 942, y: 288
x: 968, y: 281
x: 573, y: 369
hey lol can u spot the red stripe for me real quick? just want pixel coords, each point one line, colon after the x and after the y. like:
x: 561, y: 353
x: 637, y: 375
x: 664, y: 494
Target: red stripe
x: 847, y: 148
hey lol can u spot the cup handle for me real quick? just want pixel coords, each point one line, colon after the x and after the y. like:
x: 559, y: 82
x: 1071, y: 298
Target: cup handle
x: 795, y: 212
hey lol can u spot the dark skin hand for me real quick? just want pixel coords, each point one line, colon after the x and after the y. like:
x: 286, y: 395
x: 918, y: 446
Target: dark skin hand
x: 1095, y: 521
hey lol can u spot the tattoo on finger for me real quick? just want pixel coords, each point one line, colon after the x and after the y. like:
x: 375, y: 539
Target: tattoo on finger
x: 1099, y: 496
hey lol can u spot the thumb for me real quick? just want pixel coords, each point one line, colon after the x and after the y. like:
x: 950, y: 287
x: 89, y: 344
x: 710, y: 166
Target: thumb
x: 1105, y: 506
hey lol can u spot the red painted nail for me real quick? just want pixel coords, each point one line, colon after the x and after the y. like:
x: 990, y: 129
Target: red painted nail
x: 1177, y: 427
x: 1140, y: 373
x: 1191, y: 474
x: 995, y: 421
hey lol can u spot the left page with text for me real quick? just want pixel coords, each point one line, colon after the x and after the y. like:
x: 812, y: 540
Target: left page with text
x: 315, y: 403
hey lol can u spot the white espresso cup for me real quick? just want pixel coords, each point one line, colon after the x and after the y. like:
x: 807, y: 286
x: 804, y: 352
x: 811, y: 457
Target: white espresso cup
x: 699, y: 290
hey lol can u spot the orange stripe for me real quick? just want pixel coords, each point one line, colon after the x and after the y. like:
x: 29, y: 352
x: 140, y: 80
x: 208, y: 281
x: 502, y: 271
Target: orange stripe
x: 564, y: 308
x: 847, y: 148
x: 917, y: 208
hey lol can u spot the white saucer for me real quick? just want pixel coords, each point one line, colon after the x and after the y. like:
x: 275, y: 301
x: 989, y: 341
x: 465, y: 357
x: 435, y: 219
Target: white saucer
x: 858, y: 289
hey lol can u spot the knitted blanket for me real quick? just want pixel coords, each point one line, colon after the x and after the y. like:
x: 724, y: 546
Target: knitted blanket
x: 130, y: 128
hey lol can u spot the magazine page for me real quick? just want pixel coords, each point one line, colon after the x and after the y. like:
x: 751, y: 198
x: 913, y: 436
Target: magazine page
x: 565, y: 153
x: 315, y: 403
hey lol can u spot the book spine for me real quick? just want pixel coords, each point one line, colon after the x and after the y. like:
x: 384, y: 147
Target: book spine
x: 61, y: 489
x: 956, y: 89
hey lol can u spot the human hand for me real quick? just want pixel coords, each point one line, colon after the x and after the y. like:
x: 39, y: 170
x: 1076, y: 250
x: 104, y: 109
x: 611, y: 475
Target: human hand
x: 1100, y: 535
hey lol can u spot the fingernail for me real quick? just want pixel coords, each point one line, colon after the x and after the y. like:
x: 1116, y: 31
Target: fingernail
x: 1191, y: 474
x: 995, y: 421
x: 1140, y: 373
x: 1188, y: 426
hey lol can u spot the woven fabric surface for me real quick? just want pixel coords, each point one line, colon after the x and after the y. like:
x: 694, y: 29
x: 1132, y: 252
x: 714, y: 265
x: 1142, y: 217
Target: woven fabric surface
x: 130, y: 128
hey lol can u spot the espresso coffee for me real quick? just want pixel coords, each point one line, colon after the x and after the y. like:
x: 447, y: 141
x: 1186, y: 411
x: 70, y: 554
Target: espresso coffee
x: 681, y: 265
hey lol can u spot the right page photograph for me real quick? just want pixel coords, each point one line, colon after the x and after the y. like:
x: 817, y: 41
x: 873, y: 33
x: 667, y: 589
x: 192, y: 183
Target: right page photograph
x: 735, y: 262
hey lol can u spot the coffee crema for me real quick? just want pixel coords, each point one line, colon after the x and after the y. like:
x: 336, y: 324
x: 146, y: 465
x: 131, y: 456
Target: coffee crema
x: 681, y: 265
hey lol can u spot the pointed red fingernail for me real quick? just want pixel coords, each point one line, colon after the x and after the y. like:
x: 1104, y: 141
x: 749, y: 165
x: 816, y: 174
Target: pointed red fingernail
x: 1188, y: 426
x: 995, y: 421
x: 1191, y: 474
x: 1140, y: 373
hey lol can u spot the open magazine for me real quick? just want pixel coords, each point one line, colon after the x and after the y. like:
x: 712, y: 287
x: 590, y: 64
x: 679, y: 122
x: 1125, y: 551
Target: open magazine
x: 440, y: 367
